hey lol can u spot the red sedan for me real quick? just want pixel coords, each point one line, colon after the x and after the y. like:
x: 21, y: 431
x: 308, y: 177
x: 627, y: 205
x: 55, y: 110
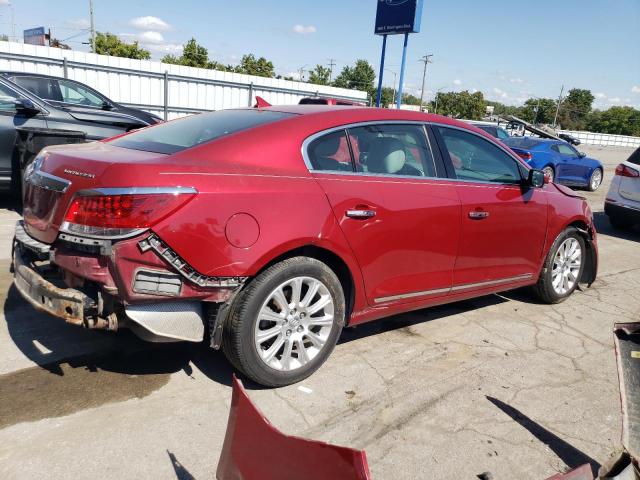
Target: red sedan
x: 268, y: 230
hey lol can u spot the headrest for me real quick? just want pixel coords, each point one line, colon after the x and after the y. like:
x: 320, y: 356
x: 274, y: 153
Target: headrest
x: 386, y: 155
x: 327, y: 146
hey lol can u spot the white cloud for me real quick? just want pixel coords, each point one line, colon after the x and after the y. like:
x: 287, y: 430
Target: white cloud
x: 172, y: 48
x: 635, y: 89
x: 614, y: 100
x: 500, y: 93
x: 79, y: 23
x: 515, y: 80
x: 4, y: 2
x: 150, y: 23
x: 457, y: 81
x: 150, y: 37
x: 600, y: 95
x: 303, y: 30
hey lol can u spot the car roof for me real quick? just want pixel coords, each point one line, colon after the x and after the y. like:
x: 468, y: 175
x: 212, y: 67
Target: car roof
x: 9, y: 73
x: 531, y: 142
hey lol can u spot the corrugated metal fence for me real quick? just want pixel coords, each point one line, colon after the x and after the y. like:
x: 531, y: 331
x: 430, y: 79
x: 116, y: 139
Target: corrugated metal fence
x: 166, y: 90
x: 590, y: 138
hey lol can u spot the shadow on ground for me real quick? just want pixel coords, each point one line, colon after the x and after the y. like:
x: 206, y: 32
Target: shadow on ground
x: 570, y: 455
x: 603, y: 226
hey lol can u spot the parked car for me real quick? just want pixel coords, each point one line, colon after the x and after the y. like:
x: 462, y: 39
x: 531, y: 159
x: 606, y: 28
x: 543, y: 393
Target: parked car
x: 21, y: 110
x: 559, y: 160
x: 75, y: 97
x: 329, y: 101
x: 622, y: 204
x: 492, y: 129
x: 257, y: 225
x: 569, y: 138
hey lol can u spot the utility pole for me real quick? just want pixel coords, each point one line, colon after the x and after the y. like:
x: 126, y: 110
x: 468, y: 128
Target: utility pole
x: 332, y: 63
x: 555, y: 119
x: 426, y: 60
x: 93, y: 27
x: 301, y: 71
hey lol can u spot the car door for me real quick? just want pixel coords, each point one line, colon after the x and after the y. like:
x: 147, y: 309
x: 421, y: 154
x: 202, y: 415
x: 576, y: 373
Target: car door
x: 401, y: 221
x: 503, y: 220
x: 11, y: 119
x: 570, y: 167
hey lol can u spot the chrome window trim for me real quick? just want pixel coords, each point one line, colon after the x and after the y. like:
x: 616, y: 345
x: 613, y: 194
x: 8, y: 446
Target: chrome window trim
x: 311, y: 138
x: 136, y: 191
x: 49, y: 182
x: 345, y: 127
x: 455, y: 288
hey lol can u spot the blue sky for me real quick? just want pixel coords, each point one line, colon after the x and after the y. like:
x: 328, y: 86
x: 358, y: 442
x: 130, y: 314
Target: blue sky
x: 510, y: 50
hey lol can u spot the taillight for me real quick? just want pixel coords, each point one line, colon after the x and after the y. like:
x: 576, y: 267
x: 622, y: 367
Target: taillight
x: 524, y: 155
x: 108, y: 214
x: 624, y: 171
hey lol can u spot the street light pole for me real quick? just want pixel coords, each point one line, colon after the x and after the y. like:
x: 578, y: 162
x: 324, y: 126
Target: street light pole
x: 555, y: 119
x: 395, y: 80
x: 426, y: 59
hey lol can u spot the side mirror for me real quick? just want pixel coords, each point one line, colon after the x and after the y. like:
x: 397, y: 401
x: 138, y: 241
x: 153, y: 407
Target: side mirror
x: 537, y: 178
x: 582, y: 154
x: 26, y: 105
x: 106, y: 106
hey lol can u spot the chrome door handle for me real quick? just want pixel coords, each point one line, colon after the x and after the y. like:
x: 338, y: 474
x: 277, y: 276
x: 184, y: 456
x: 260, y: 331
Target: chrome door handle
x: 478, y: 215
x: 361, y: 214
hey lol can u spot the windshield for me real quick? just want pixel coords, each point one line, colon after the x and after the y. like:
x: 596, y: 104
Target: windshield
x: 194, y: 130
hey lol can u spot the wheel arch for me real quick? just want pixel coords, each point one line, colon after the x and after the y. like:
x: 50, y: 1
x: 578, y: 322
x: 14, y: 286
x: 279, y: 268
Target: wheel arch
x: 334, y: 261
x: 591, y: 266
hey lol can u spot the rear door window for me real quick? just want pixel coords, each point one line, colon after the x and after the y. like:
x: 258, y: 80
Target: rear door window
x: 477, y: 159
x: 178, y: 135
x: 391, y: 149
x: 45, y: 88
x: 330, y: 153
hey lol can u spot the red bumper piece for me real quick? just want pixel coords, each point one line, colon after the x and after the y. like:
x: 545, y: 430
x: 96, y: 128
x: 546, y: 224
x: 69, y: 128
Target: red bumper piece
x: 255, y: 449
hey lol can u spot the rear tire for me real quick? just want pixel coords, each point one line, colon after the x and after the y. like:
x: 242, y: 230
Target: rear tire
x: 595, y: 180
x: 563, y: 267
x: 275, y: 334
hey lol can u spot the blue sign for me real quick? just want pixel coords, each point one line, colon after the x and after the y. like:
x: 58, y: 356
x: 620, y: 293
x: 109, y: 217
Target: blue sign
x: 398, y: 16
x: 35, y: 36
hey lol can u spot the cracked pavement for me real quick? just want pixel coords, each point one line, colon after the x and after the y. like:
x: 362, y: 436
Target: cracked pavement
x: 499, y: 383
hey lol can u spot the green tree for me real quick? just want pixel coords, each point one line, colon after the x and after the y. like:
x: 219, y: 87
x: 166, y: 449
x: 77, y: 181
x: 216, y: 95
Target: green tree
x: 539, y: 110
x: 361, y: 76
x: 409, y: 99
x: 463, y: 104
x: 615, y: 120
x: 250, y: 65
x: 388, y: 97
x: 575, y: 108
x: 109, y: 44
x: 320, y: 75
x: 502, y: 109
x: 195, y: 55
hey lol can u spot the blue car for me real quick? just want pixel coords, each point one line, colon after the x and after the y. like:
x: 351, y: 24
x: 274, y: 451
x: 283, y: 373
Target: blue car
x: 563, y: 163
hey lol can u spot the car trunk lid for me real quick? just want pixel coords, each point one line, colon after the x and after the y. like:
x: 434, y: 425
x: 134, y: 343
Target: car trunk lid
x: 60, y: 172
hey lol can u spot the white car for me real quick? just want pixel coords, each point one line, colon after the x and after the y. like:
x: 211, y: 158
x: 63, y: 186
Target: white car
x: 622, y: 204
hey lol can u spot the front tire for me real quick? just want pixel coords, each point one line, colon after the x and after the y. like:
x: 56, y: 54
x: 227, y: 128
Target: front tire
x: 285, y: 323
x: 563, y: 267
x: 595, y: 180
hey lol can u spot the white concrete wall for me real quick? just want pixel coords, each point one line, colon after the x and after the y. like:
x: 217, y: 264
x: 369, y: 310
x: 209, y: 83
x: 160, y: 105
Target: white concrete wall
x: 129, y: 81
x: 590, y: 138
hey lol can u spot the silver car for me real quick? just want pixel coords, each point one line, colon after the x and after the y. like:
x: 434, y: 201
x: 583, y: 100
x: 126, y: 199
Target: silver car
x: 622, y: 204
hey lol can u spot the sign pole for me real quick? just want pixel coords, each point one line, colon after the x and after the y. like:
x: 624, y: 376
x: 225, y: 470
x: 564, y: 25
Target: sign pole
x: 384, y: 49
x: 404, y: 61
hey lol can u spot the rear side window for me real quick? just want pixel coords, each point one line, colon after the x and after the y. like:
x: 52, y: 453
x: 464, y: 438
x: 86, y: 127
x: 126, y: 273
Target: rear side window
x: 392, y: 150
x: 330, y: 153
x: 477, y: 159
x: 195, y: 130
x: 635, y: 157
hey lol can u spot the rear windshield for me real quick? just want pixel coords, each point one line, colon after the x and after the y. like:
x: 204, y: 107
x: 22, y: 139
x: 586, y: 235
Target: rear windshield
x: 523, y: 142
x: 635, y: 157
x: 188, y: 132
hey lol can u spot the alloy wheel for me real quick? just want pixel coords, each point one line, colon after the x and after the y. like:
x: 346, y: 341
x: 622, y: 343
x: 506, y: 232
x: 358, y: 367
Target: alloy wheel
x: 566, y: 266
x: 596, y: 179
x: 294, y: 323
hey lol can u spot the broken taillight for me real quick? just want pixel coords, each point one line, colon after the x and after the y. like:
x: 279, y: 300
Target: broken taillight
x: 107, y: 214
